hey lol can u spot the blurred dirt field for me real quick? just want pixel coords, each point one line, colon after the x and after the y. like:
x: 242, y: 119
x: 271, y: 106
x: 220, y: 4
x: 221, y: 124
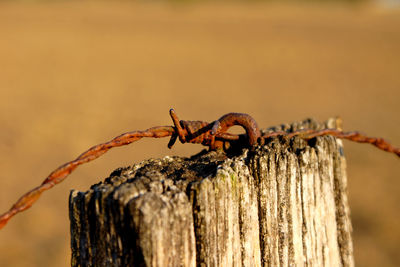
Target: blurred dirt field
x: 76, y: 74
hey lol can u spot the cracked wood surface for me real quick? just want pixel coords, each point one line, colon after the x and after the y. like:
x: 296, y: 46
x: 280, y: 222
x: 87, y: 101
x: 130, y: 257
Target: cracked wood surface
x: 283, y: 204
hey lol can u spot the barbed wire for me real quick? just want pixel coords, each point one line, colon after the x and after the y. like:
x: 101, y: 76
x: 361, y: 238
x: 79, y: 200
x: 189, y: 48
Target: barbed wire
x: 214, y: 135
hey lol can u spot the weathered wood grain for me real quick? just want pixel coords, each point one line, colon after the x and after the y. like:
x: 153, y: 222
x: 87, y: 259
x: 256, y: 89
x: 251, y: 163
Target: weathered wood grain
x: 282, y: 204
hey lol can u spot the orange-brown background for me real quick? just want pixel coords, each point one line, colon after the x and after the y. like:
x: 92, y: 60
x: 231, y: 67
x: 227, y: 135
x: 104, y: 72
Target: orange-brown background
x: 73, y: 74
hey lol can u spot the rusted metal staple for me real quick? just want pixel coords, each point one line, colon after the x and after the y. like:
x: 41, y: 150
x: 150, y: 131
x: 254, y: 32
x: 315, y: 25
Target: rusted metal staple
x: 214, y: 135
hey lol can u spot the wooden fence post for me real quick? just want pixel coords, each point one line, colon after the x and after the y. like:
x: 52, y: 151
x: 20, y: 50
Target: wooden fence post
x: 284, y: 204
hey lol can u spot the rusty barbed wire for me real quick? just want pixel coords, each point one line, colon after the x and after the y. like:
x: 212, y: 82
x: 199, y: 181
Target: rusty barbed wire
x: 214, y: 135
x: 198, y: 132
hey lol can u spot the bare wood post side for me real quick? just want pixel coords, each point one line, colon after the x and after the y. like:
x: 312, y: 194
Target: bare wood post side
x: 283, y: 204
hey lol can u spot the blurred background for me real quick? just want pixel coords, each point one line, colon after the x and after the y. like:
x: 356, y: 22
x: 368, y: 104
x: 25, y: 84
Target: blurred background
x: 77, y: 73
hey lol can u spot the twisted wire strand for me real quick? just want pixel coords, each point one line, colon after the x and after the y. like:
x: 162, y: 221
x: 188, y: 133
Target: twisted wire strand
x: 59, y: 174
x: 352, y: 136
x: 191, y: 132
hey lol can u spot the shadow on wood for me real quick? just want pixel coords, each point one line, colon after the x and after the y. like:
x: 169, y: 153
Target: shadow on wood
x: 282, y: 204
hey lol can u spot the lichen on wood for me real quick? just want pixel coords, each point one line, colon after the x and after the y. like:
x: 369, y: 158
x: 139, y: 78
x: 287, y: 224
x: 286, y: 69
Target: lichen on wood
x: 281, y: 204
